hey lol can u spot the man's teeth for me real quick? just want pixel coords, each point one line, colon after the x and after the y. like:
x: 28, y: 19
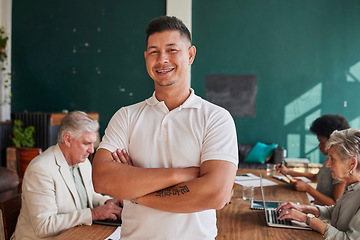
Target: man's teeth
x: 164, y: 71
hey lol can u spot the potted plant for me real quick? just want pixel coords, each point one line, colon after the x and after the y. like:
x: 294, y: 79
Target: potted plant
x: 3, y: 40
x: 6, y: 80
x: 23, y: 140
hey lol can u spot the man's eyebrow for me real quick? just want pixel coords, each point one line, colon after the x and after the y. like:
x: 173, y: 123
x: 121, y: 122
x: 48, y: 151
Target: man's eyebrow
x: 168, y: 45
x: 171, y: 44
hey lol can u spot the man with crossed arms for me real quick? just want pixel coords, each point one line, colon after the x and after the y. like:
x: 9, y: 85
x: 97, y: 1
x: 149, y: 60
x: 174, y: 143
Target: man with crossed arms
x: 179, y: 156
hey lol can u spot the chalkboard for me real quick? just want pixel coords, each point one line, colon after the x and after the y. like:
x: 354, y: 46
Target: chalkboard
x: 236, y: 93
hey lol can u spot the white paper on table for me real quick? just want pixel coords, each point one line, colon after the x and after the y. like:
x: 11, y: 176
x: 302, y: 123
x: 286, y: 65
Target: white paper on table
x: 246, y: 177
x: 250, y: 179
x: 115, y: 235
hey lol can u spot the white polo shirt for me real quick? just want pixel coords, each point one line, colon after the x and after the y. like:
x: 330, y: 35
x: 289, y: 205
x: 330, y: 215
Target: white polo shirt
x: 155, y: 137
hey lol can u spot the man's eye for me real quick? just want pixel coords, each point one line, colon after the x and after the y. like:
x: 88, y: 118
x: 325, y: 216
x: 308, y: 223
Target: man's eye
x: 153, y: 52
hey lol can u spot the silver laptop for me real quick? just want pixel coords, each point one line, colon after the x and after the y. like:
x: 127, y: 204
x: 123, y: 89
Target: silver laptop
x: 272, y: 216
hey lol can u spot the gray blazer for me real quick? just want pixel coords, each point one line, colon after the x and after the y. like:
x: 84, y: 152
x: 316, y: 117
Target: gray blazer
x: 50, y: 202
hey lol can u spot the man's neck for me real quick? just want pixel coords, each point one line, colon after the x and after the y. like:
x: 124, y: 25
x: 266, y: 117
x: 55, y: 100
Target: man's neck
x: 64, y: 150
x: 173, y: 98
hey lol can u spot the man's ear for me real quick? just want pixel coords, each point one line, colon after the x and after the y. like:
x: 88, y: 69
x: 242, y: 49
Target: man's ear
x: 145, y: 55
x: 192, y: 53
x: 67, y: 139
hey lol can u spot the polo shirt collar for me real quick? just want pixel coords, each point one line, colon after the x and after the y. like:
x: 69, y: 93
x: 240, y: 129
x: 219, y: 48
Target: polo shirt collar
x: 193, y: 101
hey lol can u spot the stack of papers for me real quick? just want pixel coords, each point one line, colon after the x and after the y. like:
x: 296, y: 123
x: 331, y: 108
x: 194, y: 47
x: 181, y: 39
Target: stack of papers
x: 252, y: 180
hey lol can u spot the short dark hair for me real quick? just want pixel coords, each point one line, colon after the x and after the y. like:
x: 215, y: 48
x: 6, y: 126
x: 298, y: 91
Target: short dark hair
x: 326, y: 124
x: 165, y: 23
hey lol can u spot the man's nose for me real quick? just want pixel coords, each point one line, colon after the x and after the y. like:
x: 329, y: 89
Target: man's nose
x: 163, y: 57
x: 91, y: 148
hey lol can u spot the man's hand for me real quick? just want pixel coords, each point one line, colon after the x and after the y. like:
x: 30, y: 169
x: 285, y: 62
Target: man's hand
x: 121, y: 156
x: 111, y: 209
x: 117, y: 202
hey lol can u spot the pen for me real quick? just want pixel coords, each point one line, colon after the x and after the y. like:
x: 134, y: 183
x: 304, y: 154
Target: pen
x: 284, y: 173
x: 281, y: 163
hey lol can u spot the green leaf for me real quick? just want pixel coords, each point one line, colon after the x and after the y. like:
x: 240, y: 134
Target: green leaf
x: 22, y: 137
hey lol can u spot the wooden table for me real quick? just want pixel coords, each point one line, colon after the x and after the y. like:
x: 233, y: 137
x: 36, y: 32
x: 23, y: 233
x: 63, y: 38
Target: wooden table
x: 238, y: 221
x: 235, y: 221
x: 93, y: 232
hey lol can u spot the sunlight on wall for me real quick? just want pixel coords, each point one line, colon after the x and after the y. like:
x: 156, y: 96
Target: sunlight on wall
x: 299, y: 108
x: 355, y: 123
x: 311, y: 148
x: 293, y: 145
x: 309, y: 119
x: 354, y: 73
x: 311, y: 143
x: 314, y: 156
x: 303, y: 104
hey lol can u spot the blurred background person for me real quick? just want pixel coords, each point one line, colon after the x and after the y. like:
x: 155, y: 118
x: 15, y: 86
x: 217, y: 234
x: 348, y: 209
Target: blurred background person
x: 341, y: 221
x: 57, y: 189
x: 328, y: 189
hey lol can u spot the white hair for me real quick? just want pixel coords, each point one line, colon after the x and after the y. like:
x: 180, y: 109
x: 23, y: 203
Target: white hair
x: 347, y: 143
x: 76, y: 123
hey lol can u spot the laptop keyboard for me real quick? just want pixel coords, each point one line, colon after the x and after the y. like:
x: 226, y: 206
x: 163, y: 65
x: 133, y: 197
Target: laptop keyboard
x: 273, y: 217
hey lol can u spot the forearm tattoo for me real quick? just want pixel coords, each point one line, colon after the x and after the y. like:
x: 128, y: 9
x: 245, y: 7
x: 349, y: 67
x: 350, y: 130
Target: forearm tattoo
x: 173, y: 191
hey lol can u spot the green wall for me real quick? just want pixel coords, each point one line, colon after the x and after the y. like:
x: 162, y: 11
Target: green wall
x: 300, y: 52
x: 80, y: 55
x: 88, y: 55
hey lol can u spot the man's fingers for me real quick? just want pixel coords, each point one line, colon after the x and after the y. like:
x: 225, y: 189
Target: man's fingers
x: 115, y: 157
x: 121, y: 156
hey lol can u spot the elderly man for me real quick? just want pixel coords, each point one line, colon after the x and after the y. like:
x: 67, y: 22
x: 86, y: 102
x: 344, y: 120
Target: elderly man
x: 57, y: 189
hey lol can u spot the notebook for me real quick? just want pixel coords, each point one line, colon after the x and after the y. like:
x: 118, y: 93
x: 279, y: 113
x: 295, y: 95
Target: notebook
x: 272, y: 217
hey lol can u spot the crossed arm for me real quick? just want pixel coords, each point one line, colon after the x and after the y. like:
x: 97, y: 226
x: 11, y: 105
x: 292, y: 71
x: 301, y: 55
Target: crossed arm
x: 169, y: 189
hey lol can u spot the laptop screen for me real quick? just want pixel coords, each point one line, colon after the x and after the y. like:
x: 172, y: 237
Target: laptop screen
x: 263, y: 196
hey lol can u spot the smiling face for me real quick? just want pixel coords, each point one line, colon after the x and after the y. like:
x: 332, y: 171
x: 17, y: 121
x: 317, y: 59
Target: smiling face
x: 79, y: 149
x: 168, y: 57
